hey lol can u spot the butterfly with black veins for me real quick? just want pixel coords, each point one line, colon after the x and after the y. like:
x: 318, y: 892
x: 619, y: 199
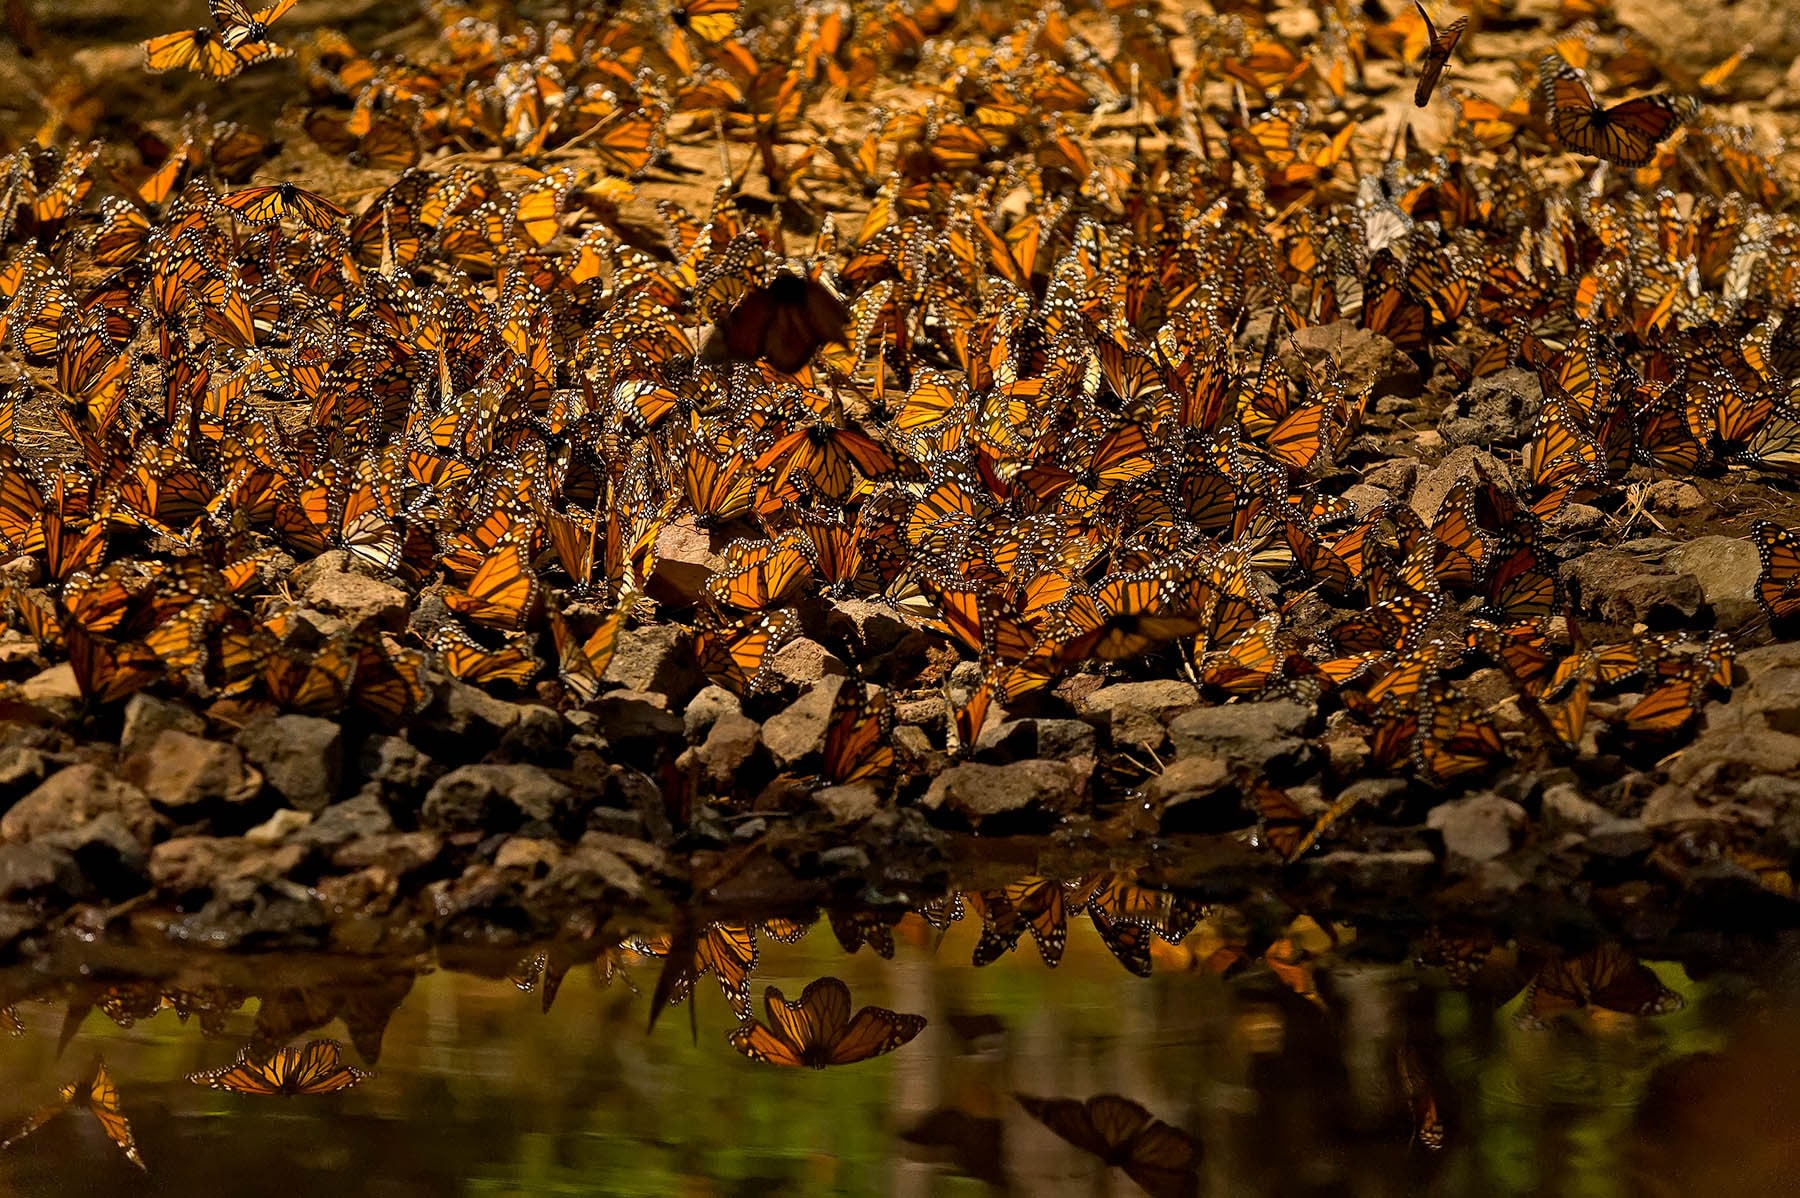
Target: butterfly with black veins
x: 1626, y: 134
x: 783, y: 323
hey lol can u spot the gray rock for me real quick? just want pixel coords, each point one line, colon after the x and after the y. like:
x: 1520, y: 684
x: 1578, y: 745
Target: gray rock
x: 848, y: 804
x: 594, y: 870
x: 54, y: 689
x: 21, y: 768
x: 658, y: 658
x: 301, y: 758
x: 1366, y: 499
x: 186, y: 774
x: 977, y: 792
x: 396, y: 765
x: 1396, y: 476
x: 463, y: 722
x: 1068, y: 741
x: 1574, y: 519
x: 146, y: 715
x: 1726, y: 568
x: 1257, y: 735
x: 1133, y: 712
x: 539, y: 734
x: 1478, y: 828
x: 110, y: 857
x: 496, y: 798
x: 76, y: 795
x: 1620, y: 589
x: 799, y: 729
x: 705, y: 709
x: 1500, y: 409
x: 359, y: 817
x: 1566, y: 810
x: 38, y: 870
x: 356, y: 599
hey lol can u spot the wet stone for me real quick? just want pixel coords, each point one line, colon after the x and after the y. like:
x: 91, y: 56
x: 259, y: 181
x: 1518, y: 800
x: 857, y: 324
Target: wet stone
x: 978, y: 793
x: 110, y: 858
x: 301, y: 758
x: 486, y: 798
x: 1480, y: 828
x: 1190, y: 782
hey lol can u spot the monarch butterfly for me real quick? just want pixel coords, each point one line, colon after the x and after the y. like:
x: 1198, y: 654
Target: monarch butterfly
x: 1778, y: 584
x: 238, y: 24
x: 582, y: 663
x: 1607, y: 978
x: 1164, y: 1160
x: 503, y: 593
x: 818, y: 1031
x: 207, y: 52
x: 826, y: 455
x: 466, y: 658
x: 737, y: 655
x: 783, y: 323
x: 98, y: 1094
x: 310, y: 1068
x: 725, y: 950
x: 268, y: 205
x: 1626, y: 134
x: 853, y: 929
x: 1288, y: 830
x: 857, y: 748
x: 710, y: 20
x: 1437, y: 54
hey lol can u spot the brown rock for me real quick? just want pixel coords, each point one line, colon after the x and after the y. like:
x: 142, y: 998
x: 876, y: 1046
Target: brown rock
x: 979, y: 793
x: 146, y: 715
x: 356, y: 599
x: 73, y: 796
x: 301, y: 758
x: 1133, y: 712
x: 183, y: 773
x: 800, y: 729
x: 685, y: 559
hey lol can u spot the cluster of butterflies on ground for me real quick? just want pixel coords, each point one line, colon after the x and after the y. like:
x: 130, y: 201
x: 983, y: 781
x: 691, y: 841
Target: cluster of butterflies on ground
x: 311, y: 1068
x: 1043, y: 392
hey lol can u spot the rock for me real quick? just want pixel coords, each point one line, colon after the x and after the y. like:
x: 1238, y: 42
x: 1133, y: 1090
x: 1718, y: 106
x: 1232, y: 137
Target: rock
x: 1188, y: 781
x: 1574, y: 519
x: 527, y: 854
x: 429, y: 614
x: 1618, y: 588
x: 799, y: 729
x: 193, y: 865
x: 1566, y: 810
x: 357, y: 818
x: 1067, y: 741
x: 301, y: 758
x: 728, y: 752
x: 803, y: 662
x: 146, y: 715
x: 109, y: 855
x: 636, y: 724
x: 38, y: 870
x: 279, y: 827
x: 396, y: 854
x: 979, y: 793
x: 1396, y: 871
x: 1370, y: 362
x: 597, y: 869
x: 1260, y: 736
x: 21, y: 768
x: 463, y: 722
x: 73, y: 796
x: 1366, y: 499
x: 1674, y: 497
x: 1466, y: 464
x: 1499, y: 409
x: 53, y: 689
x: 657, y: 658
x: 685, y: 559
x: 397, y: 766
x: 875, y: 628
x: 848, y: 804
x: 496, y: 798
x: 1396, y: 476
x: 1726, y: 568
x: 1133, y: 712
x: 356, y: 599
x: 1479, y: 828
x: 187, y: 774
x: 539, y: 734
x: 706, y: 708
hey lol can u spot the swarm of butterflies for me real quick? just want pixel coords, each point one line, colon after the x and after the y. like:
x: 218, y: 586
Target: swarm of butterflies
x: 1020, y: 360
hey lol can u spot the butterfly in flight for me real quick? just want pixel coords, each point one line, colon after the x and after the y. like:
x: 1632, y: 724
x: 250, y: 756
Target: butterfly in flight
x: 1626, y: 134
x: 818, y: 1030
x: 310, y: 1068
x: 1437, y: 54
x: 239, y: 41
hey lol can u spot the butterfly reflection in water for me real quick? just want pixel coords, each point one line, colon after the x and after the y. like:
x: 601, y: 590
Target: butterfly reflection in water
x: 819, y: 1030
x: 310, y: 1068
x: 98, y: 1094
x: 1164, y: 1160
